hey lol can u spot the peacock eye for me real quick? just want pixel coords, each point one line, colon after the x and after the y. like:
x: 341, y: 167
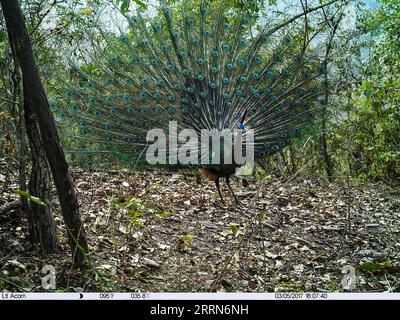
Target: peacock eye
x: 204, y: 11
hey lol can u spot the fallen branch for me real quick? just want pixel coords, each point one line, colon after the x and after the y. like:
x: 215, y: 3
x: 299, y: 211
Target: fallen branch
x: 9, y: 206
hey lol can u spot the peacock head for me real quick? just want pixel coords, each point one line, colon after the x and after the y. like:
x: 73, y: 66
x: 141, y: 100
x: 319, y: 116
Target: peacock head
x: 242, y: 127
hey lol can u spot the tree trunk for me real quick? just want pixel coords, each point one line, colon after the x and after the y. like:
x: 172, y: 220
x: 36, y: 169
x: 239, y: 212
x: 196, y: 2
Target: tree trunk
x: 328, y: 164
x: 282, y: 164
x: 19, y: 41
x: 16, y: 93
x: 324, y: 145
x: 42, y: 226
x: 293, y: 161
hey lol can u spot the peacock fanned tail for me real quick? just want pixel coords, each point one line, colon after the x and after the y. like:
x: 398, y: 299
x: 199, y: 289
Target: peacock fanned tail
x: 204, y: 67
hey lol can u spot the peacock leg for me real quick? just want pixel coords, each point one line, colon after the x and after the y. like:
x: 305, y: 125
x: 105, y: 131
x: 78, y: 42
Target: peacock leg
x: 233, y: 193
x: 219, y: 190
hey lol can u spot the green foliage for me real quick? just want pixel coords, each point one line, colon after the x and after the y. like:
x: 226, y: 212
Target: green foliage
x: 373, y: 114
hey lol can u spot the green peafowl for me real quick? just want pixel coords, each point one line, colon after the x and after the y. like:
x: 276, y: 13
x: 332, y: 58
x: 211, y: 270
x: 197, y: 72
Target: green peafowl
x: 206, y: 67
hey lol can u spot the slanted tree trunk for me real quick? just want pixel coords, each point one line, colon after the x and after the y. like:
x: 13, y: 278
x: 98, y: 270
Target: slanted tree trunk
x: 42, y: 226
x: 34, y: 90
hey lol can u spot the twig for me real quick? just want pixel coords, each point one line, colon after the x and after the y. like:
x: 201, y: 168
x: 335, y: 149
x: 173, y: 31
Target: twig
x: 9, y: 101
x: 305, y: 241
x: 233, y: 252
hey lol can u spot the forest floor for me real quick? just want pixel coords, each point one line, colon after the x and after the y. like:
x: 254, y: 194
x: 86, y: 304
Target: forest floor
x: 169, y: 232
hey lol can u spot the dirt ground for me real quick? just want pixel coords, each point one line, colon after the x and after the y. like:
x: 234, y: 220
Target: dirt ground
x: 169, y: 232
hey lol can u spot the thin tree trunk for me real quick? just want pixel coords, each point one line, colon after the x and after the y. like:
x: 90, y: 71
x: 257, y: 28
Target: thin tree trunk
x: 282, y: 164
x: 41, y: 223
x: 293, y: 163
x: 19, y: 41
x: 324, y: 145
x: 16, y: 93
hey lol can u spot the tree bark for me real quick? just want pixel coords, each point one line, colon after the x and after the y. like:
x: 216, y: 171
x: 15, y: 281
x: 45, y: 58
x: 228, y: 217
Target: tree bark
x: 34, y: 89
x: 42, y: 227
x: 293, y: 163
x: 324, y: 144
x: 16, y: 93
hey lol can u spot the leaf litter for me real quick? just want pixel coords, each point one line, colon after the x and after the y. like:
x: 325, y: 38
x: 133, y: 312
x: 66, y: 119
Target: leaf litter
x: 161, y: 232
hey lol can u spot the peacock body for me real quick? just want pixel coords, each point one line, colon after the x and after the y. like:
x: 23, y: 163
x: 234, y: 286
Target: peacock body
x: 203, y: 67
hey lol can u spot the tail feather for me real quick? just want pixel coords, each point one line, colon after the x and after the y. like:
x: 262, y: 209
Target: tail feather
x: 208, y: 174
x: 206, y: 68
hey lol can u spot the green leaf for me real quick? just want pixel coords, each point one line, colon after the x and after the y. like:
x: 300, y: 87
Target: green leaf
x: 234, y: 229
x: 186, y: 236
x: 29, y: 197
x: 261, y: 216
x: 385, y: 266
x: 125, y: 5
x: 85, y: 11
x: 364, y: 85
